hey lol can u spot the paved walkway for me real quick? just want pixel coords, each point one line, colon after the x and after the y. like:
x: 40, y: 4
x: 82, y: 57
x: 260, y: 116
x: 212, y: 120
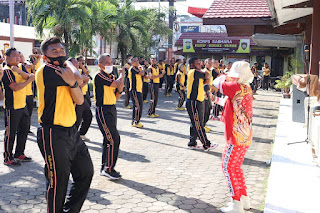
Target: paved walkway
x: 159, y: 173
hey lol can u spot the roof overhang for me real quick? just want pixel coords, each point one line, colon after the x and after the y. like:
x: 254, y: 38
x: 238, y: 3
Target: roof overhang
x: 237, y: 21
x: 285, y: 14
x: 275, y: 40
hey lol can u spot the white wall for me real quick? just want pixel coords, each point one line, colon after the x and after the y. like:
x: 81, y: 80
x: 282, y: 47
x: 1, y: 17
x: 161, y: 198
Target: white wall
x: 24, y: 47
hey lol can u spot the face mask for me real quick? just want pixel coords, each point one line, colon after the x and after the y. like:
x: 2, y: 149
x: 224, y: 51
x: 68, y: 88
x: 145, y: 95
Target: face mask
x: 58, y: 61
x: 130, y: 61
x: 108, y: 69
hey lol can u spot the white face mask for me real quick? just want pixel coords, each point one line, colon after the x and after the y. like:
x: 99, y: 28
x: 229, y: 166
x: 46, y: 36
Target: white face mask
x: 129, y: 61
x: 108, y: 69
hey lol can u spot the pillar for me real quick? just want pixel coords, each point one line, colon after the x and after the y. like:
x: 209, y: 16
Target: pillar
x: 315, y: 41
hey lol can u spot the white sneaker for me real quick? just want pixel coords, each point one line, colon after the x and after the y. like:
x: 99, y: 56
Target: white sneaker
x: 83, y: 137
x: 235, y: 207
x: 246, y: 202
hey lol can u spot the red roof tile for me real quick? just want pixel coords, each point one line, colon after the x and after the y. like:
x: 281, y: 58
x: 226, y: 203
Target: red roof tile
x: 238, y: 9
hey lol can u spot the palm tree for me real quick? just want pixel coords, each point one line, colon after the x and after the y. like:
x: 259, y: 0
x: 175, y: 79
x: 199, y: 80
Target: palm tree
x: 61, y: 16
x: 126, y: 20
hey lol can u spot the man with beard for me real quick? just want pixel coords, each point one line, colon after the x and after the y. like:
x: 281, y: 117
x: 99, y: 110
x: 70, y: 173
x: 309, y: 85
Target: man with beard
x: 58, y: 138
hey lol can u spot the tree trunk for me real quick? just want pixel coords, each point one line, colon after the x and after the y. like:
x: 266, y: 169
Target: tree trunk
x: 66, y: 41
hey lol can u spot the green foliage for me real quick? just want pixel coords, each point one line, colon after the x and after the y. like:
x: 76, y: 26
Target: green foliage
x: 285, y: 82
x: 77, y: 21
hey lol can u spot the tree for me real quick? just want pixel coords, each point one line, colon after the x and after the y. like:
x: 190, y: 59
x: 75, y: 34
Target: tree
x: 126, y: 20
x: 61, y: 16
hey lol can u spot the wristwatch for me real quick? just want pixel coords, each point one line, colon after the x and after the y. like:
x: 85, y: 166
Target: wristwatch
x: 75, y: 85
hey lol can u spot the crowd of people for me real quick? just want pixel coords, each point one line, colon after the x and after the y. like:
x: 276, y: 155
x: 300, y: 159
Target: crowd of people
x: 205, y: 87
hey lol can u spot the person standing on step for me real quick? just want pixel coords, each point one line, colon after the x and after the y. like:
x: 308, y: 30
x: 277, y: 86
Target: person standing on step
x: 84, y: 114
x: 17, y: 119
x: 135, y: 76
x: 107, y: 91
x: 169, y: 79
x: 154, y: 76
x: 195, y: 96
x: 181, y: 77
x: 127, y: 82
x: 58, y: 139
x: 237, y: 116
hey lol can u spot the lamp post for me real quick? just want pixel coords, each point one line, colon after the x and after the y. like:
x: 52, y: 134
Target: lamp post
x: 11, y: 16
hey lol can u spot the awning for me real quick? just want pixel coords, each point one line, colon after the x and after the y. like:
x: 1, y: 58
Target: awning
x: 287, y: 14
x: 275, y: 40
x: 196, y: 11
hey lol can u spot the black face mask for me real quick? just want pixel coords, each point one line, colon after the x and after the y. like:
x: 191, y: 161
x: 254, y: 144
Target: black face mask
x: 202, y: 67
x: 60, y: 60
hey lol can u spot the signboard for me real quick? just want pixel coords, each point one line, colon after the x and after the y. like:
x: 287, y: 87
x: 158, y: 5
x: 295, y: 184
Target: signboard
x: 190, y: 29
x: 216, y: 46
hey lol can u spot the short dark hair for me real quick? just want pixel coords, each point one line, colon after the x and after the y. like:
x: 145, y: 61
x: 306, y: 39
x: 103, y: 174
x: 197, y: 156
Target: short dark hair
x: 129, y: 55
x: 47, y: 42
x: 192, y: 60
x: 79, y: 57
x: 177, y: 60
x: 10, y: 50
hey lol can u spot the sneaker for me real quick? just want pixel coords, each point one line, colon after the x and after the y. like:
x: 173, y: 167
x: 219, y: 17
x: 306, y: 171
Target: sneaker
x: 212, y: 146
x: 156, y: 115
x: 207, y: 129
x: 254, y: 98
x: 83, y: 137
x: 112, y: 175
x: 151, y: 116
x: 191, y: 143
x: 215, y: 118
x: 12, y: 163
x: 181, y: 108
x: 170, y: 94
x: 23, y: 158
x: 196, y: 147
x: 145, y: 101
x: 128, y: 107
x: 167, y: 95
x: 255, y: 93
x: 138, y: 125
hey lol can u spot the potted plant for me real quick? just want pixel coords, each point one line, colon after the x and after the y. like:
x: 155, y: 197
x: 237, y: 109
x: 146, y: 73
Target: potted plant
x: 285, y: 83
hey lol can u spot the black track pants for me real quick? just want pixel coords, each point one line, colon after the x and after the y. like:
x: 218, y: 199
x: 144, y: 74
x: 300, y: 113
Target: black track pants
x: 154, y: 90
x: 137, y: 103
x: 17, y: 122
x: 182, y: 97
x: 195, y: 111
x: 145, y: 90
x: 84, y: 117
x: 107, y: 121
x: 65, y: 153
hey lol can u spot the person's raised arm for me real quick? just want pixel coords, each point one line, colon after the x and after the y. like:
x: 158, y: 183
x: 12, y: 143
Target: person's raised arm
x: 24, y: 75
x: 19, y: 86
x: 69, y: 77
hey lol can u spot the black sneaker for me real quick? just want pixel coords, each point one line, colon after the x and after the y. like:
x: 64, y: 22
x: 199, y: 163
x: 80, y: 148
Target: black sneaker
x: 23, y: 158
x: 112, y: 175
x: 12, y: 163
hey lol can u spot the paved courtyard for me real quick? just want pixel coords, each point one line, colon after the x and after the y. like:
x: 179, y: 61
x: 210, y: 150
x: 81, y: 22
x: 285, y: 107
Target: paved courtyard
x: 159, y: 173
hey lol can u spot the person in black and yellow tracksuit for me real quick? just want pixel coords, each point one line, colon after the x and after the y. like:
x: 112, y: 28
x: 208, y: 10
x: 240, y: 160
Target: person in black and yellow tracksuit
x: 83, y: 67
x: 127, y: 82
x: 84, y: 114
x: 181, y: 77
x: 146, y: 81
x: 58, y: 138
x: 162, y: 67
x: 154, y: 75
x: 135, y: 77
x: 27, y: 68
x: 195, y: 96
x: 107, y: 90
x: 208, y: 94
x: 169, y: 79
x: 17, y: 119
x: 216, y: 108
